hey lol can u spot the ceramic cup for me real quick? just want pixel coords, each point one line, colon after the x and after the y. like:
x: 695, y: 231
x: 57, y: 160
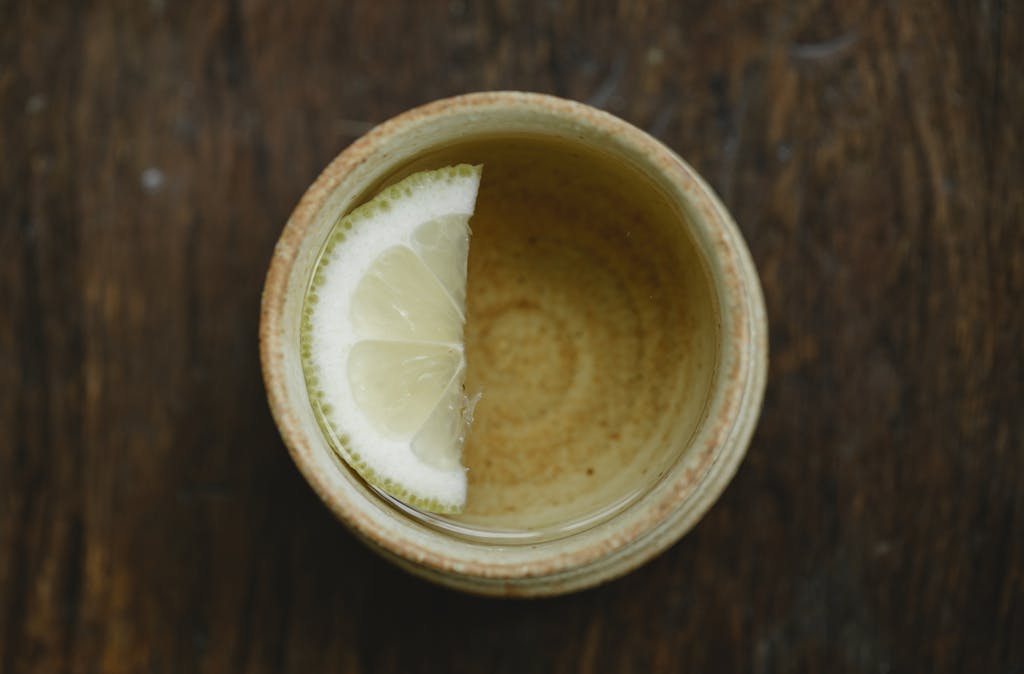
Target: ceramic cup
x: 718, y: 422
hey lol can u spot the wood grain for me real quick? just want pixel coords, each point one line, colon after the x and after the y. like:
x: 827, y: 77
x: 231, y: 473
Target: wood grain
x: 872, y: 153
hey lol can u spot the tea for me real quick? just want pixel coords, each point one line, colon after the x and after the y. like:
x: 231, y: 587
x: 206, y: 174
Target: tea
x: 590, y: 335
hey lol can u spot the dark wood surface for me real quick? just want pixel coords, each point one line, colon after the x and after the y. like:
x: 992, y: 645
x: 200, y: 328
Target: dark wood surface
x: 872, y: 153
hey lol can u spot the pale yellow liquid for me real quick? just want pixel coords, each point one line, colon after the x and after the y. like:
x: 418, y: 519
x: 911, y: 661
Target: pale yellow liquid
x: 591, y: 335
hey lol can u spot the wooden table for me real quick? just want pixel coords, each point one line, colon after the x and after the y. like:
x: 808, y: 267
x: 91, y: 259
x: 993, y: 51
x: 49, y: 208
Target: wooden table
x: 872, y: 153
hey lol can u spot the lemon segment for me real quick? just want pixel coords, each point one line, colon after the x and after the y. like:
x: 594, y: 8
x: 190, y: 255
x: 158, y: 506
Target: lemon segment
x: 398, y: 384
x: 400, y: 298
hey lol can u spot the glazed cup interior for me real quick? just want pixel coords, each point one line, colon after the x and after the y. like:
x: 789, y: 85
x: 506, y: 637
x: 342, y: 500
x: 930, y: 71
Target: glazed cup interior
x: 683, y: 343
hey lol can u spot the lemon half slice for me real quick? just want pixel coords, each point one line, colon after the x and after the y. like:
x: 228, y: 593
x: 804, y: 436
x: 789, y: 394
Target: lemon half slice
x: 381, y: 337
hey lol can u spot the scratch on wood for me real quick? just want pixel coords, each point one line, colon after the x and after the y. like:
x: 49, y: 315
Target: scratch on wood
x: 607, y: 89
x: 827, y: 50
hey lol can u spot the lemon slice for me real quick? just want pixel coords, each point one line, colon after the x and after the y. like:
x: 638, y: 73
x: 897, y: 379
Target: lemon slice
x: 381, y: 337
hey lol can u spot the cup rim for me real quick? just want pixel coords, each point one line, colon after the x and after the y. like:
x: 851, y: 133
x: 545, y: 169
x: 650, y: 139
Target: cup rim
x: 732, y: 412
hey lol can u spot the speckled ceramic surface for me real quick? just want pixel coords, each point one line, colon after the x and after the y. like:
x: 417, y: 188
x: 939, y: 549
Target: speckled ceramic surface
x: 625, y: 356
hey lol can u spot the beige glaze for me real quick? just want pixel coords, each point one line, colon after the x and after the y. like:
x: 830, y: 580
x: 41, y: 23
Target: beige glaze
x: 619, y: 342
